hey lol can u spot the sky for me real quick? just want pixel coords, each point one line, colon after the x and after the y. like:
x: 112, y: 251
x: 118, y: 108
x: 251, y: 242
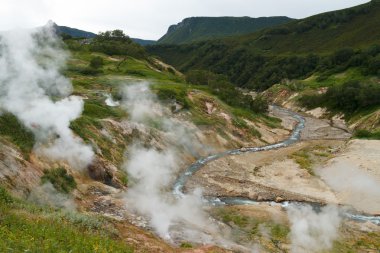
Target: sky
x: 149, y: 19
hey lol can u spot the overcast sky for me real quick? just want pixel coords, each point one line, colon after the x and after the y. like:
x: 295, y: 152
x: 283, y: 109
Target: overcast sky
x: 150, y: 19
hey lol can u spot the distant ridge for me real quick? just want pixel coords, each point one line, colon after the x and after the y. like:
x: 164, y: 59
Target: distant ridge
x: 73, y: 32
x: 203, y: 28
x: 77, y: 33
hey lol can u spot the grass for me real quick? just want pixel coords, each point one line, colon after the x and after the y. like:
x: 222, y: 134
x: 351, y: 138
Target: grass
x: 27, y: 228
x: 15, y: 132
x: 97, y: 110
x: 252, y: 228
x: 240, y: 221
x: 304, y: 161
x: 279, y: 231
x: 82, y: 125
x: 59, y: 178
x: 90, y: 130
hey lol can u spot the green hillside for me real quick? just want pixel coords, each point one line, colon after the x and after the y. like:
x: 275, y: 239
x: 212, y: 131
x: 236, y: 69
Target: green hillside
x: 203, y: 28
x: 326, y: 43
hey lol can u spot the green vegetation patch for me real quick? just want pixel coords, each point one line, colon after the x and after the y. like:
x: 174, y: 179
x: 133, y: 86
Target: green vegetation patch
x: 350, y: 97
x: 83, y: 125
x: 239, y: 220
x: 366, y: 134
x: 279, y: 231
x: 220, y: 86
x: 27, y: 228
x: 98, y: 110
x: 177, y: 92
x: 59, y: 178
x: 15, y: 132
x: 304, y: 161
x: 186, y: 245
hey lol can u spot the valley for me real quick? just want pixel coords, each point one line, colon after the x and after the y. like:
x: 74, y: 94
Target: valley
x: 228, y: 134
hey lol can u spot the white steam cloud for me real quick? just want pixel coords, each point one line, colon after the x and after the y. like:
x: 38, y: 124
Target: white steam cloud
x: 33, y: 89
x: 46, y: 194
x: 312, y: 231
x: 144, y: 108
x: 152, y: 171
x: 353, y: 185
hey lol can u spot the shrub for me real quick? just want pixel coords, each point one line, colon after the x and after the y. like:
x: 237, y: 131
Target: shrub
x: 96, y: 62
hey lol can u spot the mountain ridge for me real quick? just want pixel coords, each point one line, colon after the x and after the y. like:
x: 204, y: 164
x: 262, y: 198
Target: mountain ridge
x: 202, y: 28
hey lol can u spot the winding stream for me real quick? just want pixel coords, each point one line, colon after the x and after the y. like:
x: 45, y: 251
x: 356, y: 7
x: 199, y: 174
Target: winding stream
x: 294, y: 137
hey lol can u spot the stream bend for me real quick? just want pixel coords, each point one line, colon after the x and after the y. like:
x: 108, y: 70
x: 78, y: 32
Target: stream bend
x: 220, y: 201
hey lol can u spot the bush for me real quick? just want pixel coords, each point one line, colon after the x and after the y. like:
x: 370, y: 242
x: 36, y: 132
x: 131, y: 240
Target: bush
x: 96, y: 62
x: 59, y: 178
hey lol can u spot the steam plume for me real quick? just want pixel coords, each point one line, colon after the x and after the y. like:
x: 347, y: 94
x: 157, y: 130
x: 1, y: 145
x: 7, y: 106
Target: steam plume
x: 33, y: 89
x: 46, y: 194
x: 153, y: 171
x: 353, y: 185
x: 311, y: 231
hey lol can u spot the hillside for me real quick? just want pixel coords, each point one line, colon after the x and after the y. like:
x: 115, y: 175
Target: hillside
x: 191, y: 121
x: 204, y: 28
x: 73, y: 32
x: 290, y: 51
